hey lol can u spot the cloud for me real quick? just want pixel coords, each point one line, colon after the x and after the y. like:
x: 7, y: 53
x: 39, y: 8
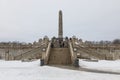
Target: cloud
x: 28, y: 20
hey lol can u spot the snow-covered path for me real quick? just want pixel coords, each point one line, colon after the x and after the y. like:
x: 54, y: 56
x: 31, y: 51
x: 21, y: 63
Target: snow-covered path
x: 17, y: 70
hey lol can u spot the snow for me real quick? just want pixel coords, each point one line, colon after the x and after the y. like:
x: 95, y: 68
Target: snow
x: 17, y: 70
x: 104, y: 65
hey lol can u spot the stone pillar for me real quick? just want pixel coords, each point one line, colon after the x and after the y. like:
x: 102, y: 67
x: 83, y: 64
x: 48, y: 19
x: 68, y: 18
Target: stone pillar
x: 60, y: 30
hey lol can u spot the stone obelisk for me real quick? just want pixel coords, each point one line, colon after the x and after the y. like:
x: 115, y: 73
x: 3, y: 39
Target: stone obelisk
x: 60, y: 30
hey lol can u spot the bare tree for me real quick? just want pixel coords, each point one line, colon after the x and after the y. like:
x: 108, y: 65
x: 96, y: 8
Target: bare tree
x: 116, y: 41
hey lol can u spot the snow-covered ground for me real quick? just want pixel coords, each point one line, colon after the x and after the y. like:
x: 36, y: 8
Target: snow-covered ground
x: 17, y: 70
x: 113, y: 66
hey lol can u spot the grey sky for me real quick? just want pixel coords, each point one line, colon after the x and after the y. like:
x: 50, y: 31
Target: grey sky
x: 29, y: 20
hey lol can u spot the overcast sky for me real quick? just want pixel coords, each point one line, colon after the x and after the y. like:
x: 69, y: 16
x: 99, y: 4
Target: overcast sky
x: 29, y: 20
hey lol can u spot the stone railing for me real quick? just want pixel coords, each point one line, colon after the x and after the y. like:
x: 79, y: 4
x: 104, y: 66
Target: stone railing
x: 73, y: 55
x: 47, y: 53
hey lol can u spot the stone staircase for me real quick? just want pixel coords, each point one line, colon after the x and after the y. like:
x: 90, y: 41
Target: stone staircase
x: 32, y: 54
x: 88, y: 53
x: 59, y: 56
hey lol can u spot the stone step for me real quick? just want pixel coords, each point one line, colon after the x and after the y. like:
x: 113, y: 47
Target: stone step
x: 91, y: 53
x: 34, y: 53
x: 60, y: 56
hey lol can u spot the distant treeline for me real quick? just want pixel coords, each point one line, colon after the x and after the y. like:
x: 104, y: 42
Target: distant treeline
x: 15, y: 44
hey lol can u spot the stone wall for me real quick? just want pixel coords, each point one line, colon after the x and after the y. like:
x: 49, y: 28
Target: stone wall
x: 9, y: 50
x: 10, y: 53
x: 111, y: 52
